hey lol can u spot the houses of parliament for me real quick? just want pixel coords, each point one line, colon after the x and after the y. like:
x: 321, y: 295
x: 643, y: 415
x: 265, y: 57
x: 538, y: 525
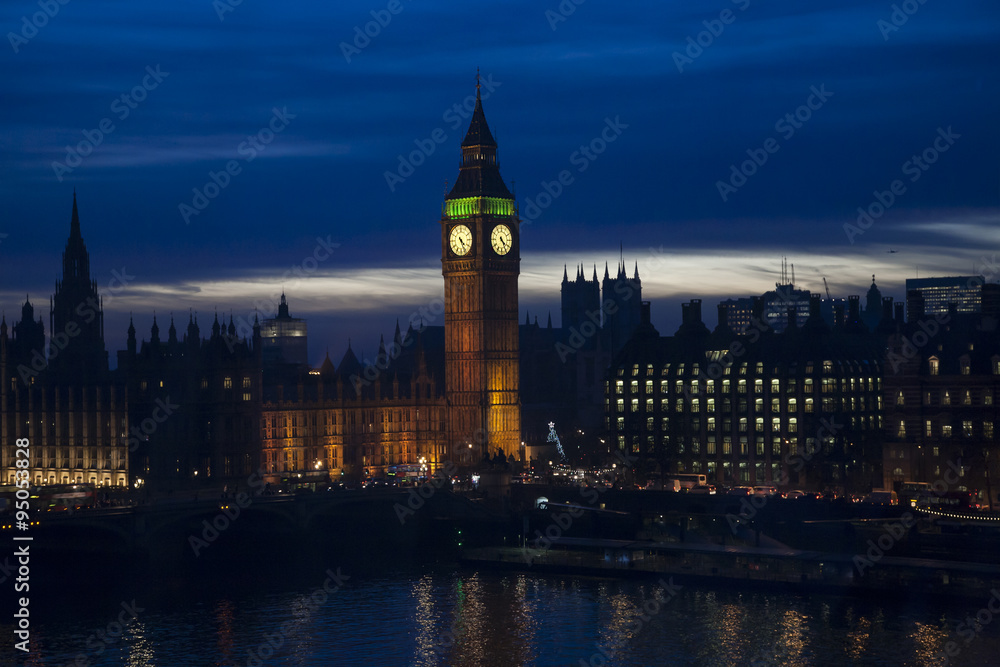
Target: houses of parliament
x: 198, y: 405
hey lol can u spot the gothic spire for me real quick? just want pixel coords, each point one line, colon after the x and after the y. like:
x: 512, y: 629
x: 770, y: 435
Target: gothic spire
x: 74, y: 224
x: 479, y: 173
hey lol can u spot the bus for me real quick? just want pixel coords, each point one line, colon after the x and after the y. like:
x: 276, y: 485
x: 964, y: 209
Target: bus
x: 910, y: 492
x: 950, y: 501
x: 688, y: 481
x: 58, y: 497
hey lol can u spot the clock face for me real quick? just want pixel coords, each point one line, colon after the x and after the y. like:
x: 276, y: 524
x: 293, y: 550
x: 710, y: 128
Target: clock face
x: 461, y: 240
x: 501, y: 239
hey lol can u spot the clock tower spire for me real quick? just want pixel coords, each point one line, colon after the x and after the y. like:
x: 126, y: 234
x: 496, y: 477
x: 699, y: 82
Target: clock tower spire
x: 480, y: 259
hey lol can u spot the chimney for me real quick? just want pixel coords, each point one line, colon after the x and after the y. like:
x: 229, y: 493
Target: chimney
x: 724, y: 314
x: 991, y: 299
x: 887, y: 309
x: 645, y: 312
x: 853, y: 309
x: 695, y: 311
x: 757, y: 310
x: 914, y: 305
x: 685, y: 314
x: 898, y: 314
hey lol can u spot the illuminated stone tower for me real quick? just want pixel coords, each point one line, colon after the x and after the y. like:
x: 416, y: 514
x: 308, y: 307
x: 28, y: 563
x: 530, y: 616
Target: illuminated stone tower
x: 480, y: 258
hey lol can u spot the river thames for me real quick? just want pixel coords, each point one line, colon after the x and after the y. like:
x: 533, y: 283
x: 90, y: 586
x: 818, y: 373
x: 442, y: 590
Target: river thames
x: 437, y: 614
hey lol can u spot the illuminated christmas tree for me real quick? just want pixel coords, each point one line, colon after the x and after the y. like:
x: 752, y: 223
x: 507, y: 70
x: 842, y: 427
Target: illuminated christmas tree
x: 554, y: 437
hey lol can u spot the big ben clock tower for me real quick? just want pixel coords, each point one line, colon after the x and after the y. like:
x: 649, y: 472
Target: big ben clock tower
x: 480, y: 259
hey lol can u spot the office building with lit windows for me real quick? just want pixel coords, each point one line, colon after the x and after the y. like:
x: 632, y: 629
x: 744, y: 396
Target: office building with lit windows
x: 942, y: 382
x: 937, y: 294
x: 797, y: 409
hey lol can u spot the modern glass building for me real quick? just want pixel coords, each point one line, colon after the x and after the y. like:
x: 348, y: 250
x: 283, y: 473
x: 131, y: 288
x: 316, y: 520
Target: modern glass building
x: 937, y: 293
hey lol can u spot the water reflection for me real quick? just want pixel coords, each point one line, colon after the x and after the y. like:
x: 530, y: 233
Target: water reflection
x: 463, y: 618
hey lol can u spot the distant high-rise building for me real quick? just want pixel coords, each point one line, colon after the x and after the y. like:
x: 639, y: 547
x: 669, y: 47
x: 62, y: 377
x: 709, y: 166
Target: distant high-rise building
x: 937, y: 293
x: 284, y: 338
x: 778, y: 301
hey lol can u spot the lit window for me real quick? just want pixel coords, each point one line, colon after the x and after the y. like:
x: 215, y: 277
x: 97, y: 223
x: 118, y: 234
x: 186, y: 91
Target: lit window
x: 899, y: 398
x: 946, y: 431
x: 967, y: 429
x: 227, y: 382
x: 901, y: 431
x: 246, y: 383
x: 933, y: 365
x: 928, y: 428
x: 946, y: 398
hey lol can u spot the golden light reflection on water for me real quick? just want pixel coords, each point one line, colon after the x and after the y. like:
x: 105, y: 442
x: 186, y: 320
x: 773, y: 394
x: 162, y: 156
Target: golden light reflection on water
x: 139, y: 647
x: 224, y: 633
x: 858, y: 638
x: 928, y: 644
x: 431, y: 640
x: 794, y: 626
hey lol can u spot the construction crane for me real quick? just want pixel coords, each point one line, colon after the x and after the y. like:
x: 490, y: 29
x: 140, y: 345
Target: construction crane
x: 827, y: 288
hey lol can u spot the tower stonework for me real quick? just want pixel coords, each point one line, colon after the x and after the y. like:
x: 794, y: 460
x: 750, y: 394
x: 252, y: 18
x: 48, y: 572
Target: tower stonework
x: 480, y: 258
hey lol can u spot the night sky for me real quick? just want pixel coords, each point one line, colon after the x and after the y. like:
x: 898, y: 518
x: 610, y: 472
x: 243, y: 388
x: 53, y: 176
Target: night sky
x: 833, y: 99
